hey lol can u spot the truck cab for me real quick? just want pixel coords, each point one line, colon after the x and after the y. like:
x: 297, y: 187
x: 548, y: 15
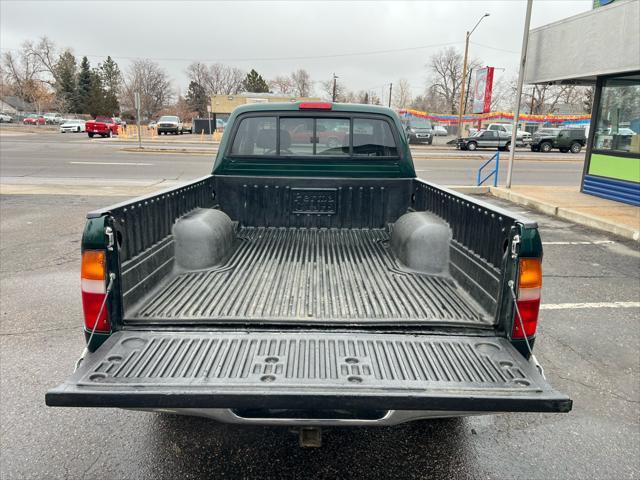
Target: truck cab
x: 523, y: 138
x: 308, y: 282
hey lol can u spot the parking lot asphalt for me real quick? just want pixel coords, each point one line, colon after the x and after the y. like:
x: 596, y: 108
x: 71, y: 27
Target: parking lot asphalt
x: 589, y: 353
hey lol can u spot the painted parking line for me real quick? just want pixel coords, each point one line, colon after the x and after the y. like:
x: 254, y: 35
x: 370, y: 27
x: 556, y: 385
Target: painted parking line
x: 595, y: 242
x: 568, y: 306
x: 113, y: 163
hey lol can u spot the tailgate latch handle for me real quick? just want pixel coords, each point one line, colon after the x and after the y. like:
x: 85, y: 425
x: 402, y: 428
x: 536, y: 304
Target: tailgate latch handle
x: 108, y: 231
x: 514, y: 246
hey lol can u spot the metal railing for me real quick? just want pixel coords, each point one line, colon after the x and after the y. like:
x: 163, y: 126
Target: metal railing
x: 494, y: 172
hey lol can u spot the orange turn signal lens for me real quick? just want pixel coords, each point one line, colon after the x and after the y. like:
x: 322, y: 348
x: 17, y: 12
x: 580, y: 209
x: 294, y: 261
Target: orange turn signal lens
x: 530, y: 273
x: 93, y: 265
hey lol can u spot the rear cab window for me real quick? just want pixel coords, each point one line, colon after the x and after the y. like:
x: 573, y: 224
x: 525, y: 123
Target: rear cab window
x: 290, y: 135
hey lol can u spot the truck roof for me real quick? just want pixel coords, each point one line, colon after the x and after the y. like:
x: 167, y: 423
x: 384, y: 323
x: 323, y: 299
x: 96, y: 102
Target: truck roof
x: 295, y: 106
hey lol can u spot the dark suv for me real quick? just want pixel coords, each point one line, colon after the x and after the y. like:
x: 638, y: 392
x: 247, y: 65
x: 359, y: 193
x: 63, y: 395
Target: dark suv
x: 418, y: 130
x: 564, y: 139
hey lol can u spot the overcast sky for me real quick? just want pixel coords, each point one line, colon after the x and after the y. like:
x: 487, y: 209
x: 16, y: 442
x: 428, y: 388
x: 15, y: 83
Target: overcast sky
x: 278, y: 37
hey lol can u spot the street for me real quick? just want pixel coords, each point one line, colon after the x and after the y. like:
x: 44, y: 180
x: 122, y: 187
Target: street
x: 68, y: 158
x: 589, y: 352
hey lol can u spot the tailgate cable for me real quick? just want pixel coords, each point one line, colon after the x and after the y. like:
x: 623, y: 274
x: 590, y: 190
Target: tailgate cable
x: 532, y: 357
x: 112, y: 277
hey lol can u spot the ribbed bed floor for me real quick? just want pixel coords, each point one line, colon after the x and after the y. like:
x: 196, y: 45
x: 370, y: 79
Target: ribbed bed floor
x: 301, y: 275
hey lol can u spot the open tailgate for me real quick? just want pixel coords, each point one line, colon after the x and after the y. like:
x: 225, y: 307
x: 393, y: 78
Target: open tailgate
x: 304, y: 370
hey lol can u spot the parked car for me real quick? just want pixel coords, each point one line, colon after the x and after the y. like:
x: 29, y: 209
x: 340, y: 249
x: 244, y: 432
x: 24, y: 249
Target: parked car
x: 523, y: 138
x: 169, y: 124
x: 34, y: 119
x: 152, y: 125
x: 103, y: 126
x: 564, y: 139
x: 4, y: 118
x: 418, y: 130
x: 485, y: 139
x: 53, y: 118
x: 310, y: 290
x: 73, y: 126
x: 440, y: 131
x: 187, y: 126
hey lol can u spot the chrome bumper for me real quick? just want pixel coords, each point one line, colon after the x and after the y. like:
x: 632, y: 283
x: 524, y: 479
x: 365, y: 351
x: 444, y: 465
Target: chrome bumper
x: 392, y: 417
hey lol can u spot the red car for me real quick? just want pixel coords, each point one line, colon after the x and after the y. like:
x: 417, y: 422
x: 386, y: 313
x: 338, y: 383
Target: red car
x: 34, y: 119
x: 103, y: 126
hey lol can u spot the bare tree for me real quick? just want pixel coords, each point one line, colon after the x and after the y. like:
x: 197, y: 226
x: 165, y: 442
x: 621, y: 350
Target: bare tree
x: 446, y: 77
x: 199, y: 73
x: 24, y: 72
x: 152, y: 82
x: 542, y: 99
x: 282, y: 85
x: 342, y: 95
x: 401, y: 94
x: 302, y: 84
x: 502, y: 94
x: 216, y: 79
x: 225, y: 80
x: 45, y: 55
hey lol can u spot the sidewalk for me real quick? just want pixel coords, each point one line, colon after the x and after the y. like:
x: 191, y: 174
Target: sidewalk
x: 570, y: 204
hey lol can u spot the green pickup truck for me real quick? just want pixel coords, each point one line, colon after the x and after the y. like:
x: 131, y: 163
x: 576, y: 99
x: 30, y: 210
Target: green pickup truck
x: 310, y: 283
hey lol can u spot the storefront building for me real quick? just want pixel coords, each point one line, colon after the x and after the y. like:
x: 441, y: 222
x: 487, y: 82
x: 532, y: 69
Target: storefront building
x: 601, y: 48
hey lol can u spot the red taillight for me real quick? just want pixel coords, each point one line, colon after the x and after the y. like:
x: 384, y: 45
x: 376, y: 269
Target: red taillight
x: 529, y: 288
x: 315, y: 106
x: 93, y: 278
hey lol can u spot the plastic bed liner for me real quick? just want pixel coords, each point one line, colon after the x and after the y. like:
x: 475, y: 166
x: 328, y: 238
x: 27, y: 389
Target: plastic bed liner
x: 308, y: 275
x: 306, y: 370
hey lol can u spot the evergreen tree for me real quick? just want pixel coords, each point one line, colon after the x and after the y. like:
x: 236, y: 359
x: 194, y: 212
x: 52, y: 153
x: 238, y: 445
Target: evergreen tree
x: 111, y: 81
x: 255, y: 83
x: 197, y: 98
x: 84, y: 87
x: 96, y: 103
x: 66, y: 71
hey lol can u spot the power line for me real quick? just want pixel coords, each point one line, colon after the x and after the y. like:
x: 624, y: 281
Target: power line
x: 268, y: 59
x: 494, y: 48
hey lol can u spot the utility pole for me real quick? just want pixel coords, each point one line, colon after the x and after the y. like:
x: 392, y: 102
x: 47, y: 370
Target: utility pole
x: 466, y: 96
x: 136, y: 96
x: 464, y: 74
x: 516, y: 115
x: 335, y: 77
x: 390, y: 90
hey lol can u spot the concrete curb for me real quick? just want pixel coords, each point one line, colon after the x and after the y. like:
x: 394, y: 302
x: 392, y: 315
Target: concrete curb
x: 564, y: 213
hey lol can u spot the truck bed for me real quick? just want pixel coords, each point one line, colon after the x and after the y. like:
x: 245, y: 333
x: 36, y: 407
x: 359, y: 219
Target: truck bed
x: 307, y: 275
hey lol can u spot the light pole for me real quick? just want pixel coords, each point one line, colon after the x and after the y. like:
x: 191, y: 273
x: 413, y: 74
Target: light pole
x: 464, y: 74
x: 516, y: 115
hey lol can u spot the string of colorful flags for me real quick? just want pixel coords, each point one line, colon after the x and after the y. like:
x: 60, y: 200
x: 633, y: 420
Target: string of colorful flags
x: 474, y: 118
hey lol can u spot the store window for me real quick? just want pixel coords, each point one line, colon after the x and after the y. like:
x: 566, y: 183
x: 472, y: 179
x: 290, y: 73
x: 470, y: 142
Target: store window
x: 618, y: 116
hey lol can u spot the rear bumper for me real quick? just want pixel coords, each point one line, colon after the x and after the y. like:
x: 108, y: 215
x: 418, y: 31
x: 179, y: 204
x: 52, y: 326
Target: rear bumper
x: 388, y: 418
x: 168, y: 129
x: 414, y: 138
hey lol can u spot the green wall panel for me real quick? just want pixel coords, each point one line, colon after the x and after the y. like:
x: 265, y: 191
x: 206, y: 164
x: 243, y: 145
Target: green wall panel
x: 619, y: 168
